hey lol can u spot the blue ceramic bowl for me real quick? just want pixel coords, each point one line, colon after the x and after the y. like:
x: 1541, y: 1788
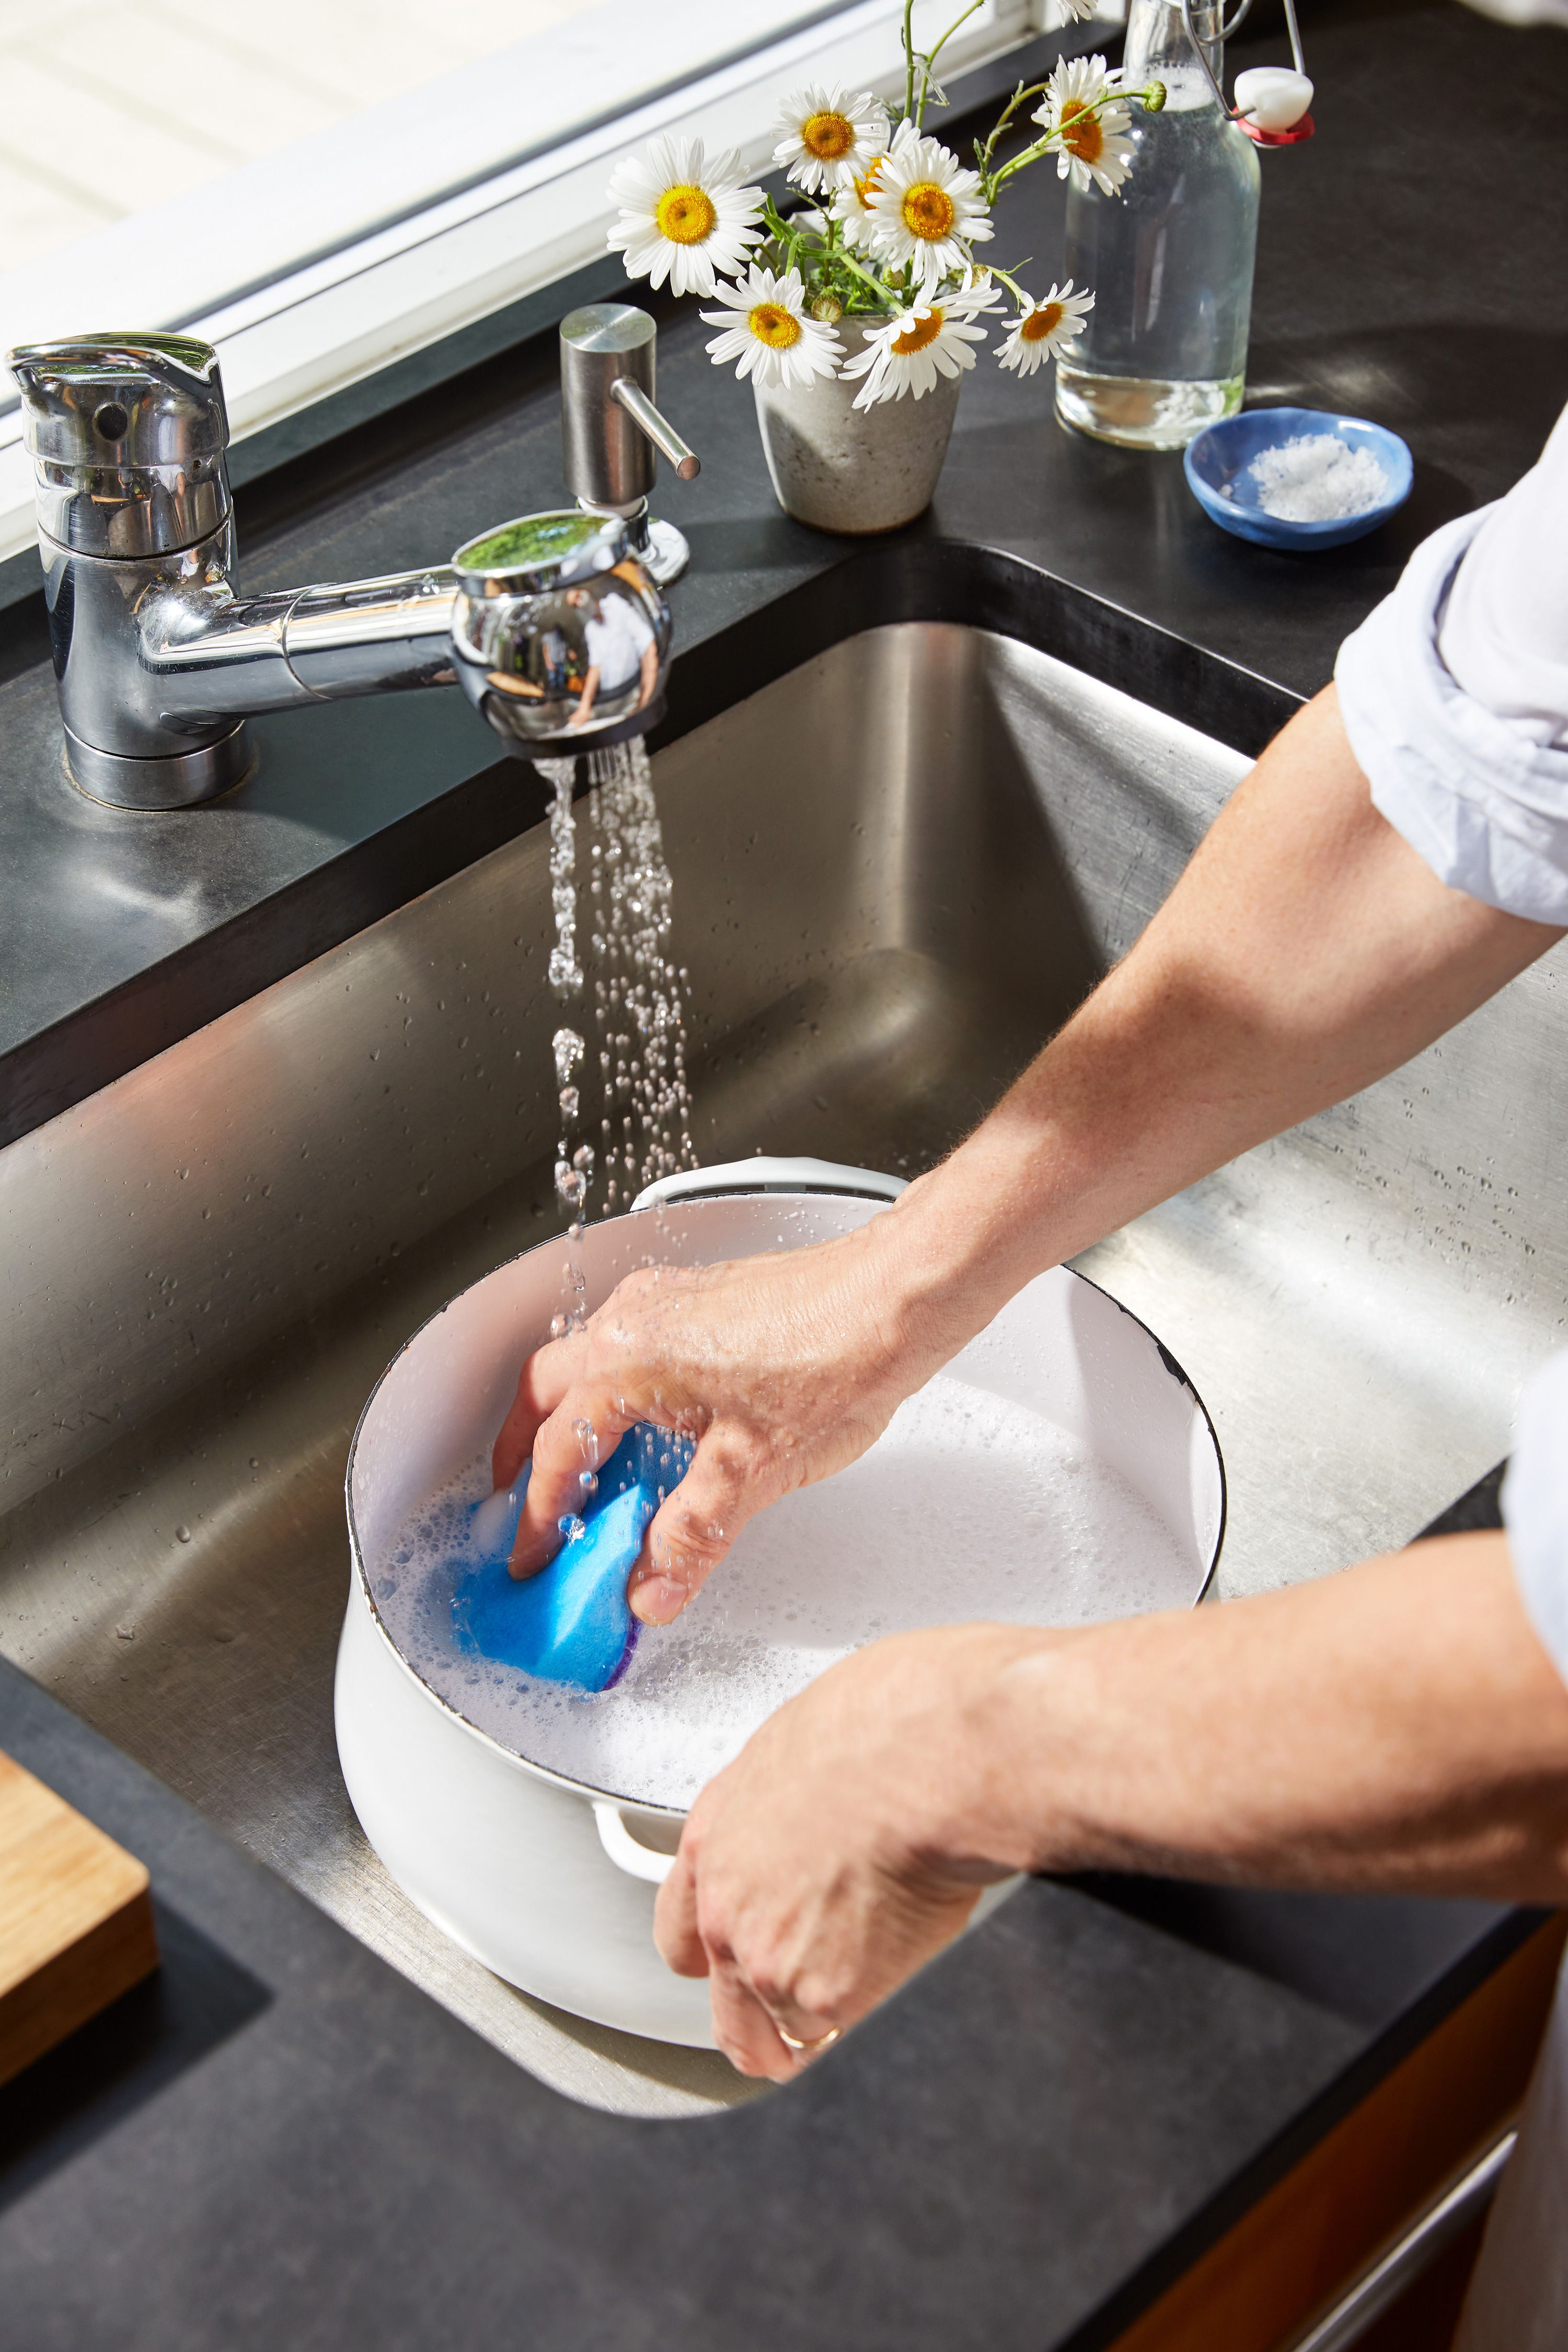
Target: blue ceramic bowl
x: 1218, y: 462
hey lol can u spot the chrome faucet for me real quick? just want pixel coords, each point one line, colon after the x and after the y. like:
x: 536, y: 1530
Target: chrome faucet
x: 546, y: 622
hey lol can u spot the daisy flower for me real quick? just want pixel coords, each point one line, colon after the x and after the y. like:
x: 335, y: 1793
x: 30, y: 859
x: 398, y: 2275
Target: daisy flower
x: 1044, y: 329
x: 852, y: 205
x: 913, y: 348
x: 978, y: 290
x: 768, y: 331
x: 683, y: 217
x: 926, y: 210
x: 828, y: 136
x: 1081, y: 108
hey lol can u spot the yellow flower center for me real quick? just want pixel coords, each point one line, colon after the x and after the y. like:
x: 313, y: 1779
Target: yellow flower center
x: 928, y: 210
x: 1081, y: 132
x: 1042, y: 323
x: 686, y: 216
x: 864, y: 188
x: 829, y: 136
x: 773, y: 325
x: 920, y: 333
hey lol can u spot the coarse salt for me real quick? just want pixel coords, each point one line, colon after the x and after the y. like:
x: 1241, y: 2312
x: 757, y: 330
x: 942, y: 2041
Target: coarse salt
x: 1316, y: 477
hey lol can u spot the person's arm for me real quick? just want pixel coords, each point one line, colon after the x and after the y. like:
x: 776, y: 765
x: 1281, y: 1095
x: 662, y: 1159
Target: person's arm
x: 1398, y: 1727
x: 584, y: 709
x: 1306, y: 951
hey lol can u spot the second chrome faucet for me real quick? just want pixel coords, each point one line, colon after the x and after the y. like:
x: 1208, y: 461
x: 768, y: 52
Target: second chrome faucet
x: 554, y: 626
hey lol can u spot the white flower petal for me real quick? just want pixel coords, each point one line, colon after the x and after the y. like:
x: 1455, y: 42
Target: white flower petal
x: 1025, y: 353
x: 923, y: 211
x: 816, y: 351
x: 817, y: 173
x: 640, y: 183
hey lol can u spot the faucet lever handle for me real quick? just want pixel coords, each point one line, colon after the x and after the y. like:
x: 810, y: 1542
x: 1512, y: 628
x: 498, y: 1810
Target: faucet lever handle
x: 129, y: 400
x: 127, y: 435
x: 630, y: 395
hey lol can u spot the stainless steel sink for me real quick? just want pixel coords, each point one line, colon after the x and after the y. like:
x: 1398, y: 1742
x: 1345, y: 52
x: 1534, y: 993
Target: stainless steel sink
x: 897, y: 868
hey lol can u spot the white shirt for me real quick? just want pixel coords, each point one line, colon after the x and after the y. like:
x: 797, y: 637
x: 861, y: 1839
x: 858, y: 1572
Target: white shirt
x: 1455, y: 697
x: 617, y: 635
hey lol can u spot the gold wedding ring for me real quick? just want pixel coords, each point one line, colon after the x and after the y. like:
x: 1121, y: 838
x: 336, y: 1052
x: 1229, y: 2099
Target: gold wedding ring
x: 823, y: 2041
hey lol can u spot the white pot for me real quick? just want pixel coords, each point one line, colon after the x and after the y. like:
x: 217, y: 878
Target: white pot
x: 549, y: 1882
x: 852, y: 470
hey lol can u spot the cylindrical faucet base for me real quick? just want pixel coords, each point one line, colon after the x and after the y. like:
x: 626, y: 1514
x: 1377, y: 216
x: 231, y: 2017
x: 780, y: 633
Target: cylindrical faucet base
x: 181, y: 780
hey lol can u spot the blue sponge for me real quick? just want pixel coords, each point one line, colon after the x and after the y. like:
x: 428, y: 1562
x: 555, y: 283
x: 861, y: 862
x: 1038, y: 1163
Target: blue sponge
x: 570, y: 1624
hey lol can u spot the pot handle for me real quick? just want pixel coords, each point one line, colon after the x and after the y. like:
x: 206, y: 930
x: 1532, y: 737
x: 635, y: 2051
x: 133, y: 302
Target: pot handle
x: 625, y: 1851
x: 760, y: 1174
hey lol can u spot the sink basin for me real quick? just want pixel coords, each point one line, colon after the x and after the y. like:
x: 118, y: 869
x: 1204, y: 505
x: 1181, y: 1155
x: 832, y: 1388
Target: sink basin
x: 897, y: 865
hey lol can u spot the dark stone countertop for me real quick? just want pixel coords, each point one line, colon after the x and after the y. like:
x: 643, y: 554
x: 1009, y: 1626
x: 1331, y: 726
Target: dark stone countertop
x: 1404, y: 255
x: 280, y: 2141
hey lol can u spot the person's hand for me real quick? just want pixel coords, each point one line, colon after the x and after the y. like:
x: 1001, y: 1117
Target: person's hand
x: 847, y: 1843
x: 783, y: 1369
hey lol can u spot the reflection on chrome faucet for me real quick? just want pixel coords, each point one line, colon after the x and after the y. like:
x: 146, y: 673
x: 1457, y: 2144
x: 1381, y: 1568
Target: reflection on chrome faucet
x: 558, y: 632
x: 620, y: 650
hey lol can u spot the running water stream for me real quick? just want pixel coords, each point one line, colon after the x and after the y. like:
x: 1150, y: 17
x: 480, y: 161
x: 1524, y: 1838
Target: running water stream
x: 644, y: 1107
x: 638, y: 1008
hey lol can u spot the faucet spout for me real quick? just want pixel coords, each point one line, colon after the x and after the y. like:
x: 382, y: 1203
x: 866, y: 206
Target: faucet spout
x: 211, y: 655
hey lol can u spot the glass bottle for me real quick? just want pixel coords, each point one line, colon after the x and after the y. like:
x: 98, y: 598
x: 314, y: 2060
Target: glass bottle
x: 1169, y: 257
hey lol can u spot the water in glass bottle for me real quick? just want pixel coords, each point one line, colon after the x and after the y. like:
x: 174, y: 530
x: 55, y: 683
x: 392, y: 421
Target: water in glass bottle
x: 1169, y: 256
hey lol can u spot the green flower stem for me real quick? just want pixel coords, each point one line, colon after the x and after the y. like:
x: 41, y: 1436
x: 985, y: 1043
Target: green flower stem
x: 996, y: 180
x: 991, y: 181
x: 822, y: 256
x: 1020, y: 96
x: 886, y: 300
x: 928, y: 61
x: 909, y: 59
x: 792, y: 240
x: 1025, y: 301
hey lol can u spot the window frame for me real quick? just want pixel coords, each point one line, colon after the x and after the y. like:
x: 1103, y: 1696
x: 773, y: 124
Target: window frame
x: 305, y: 333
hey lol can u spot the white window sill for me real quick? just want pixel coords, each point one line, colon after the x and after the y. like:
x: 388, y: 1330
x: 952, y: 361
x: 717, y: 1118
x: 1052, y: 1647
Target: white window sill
x: 312, y: 330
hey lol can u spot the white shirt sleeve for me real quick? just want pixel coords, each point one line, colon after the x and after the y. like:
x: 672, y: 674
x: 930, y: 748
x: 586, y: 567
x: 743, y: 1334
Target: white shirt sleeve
x: 617, y: 637
x: 638, y: 627
x: 1535, y: 1506
x: 1454, y: 694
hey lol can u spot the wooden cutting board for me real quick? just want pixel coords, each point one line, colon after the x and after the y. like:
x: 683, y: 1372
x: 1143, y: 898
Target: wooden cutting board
x: 76, y: 1920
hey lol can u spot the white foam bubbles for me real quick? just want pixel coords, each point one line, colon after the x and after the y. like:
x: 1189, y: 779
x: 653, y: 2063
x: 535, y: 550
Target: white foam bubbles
x: 969, y: 1506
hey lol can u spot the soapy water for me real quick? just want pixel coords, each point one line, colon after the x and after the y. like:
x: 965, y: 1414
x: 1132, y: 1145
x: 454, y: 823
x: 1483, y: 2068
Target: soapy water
x: 968, y: 1507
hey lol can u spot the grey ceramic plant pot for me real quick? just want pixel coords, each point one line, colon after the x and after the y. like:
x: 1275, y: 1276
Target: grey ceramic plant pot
x: 843, y: 468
